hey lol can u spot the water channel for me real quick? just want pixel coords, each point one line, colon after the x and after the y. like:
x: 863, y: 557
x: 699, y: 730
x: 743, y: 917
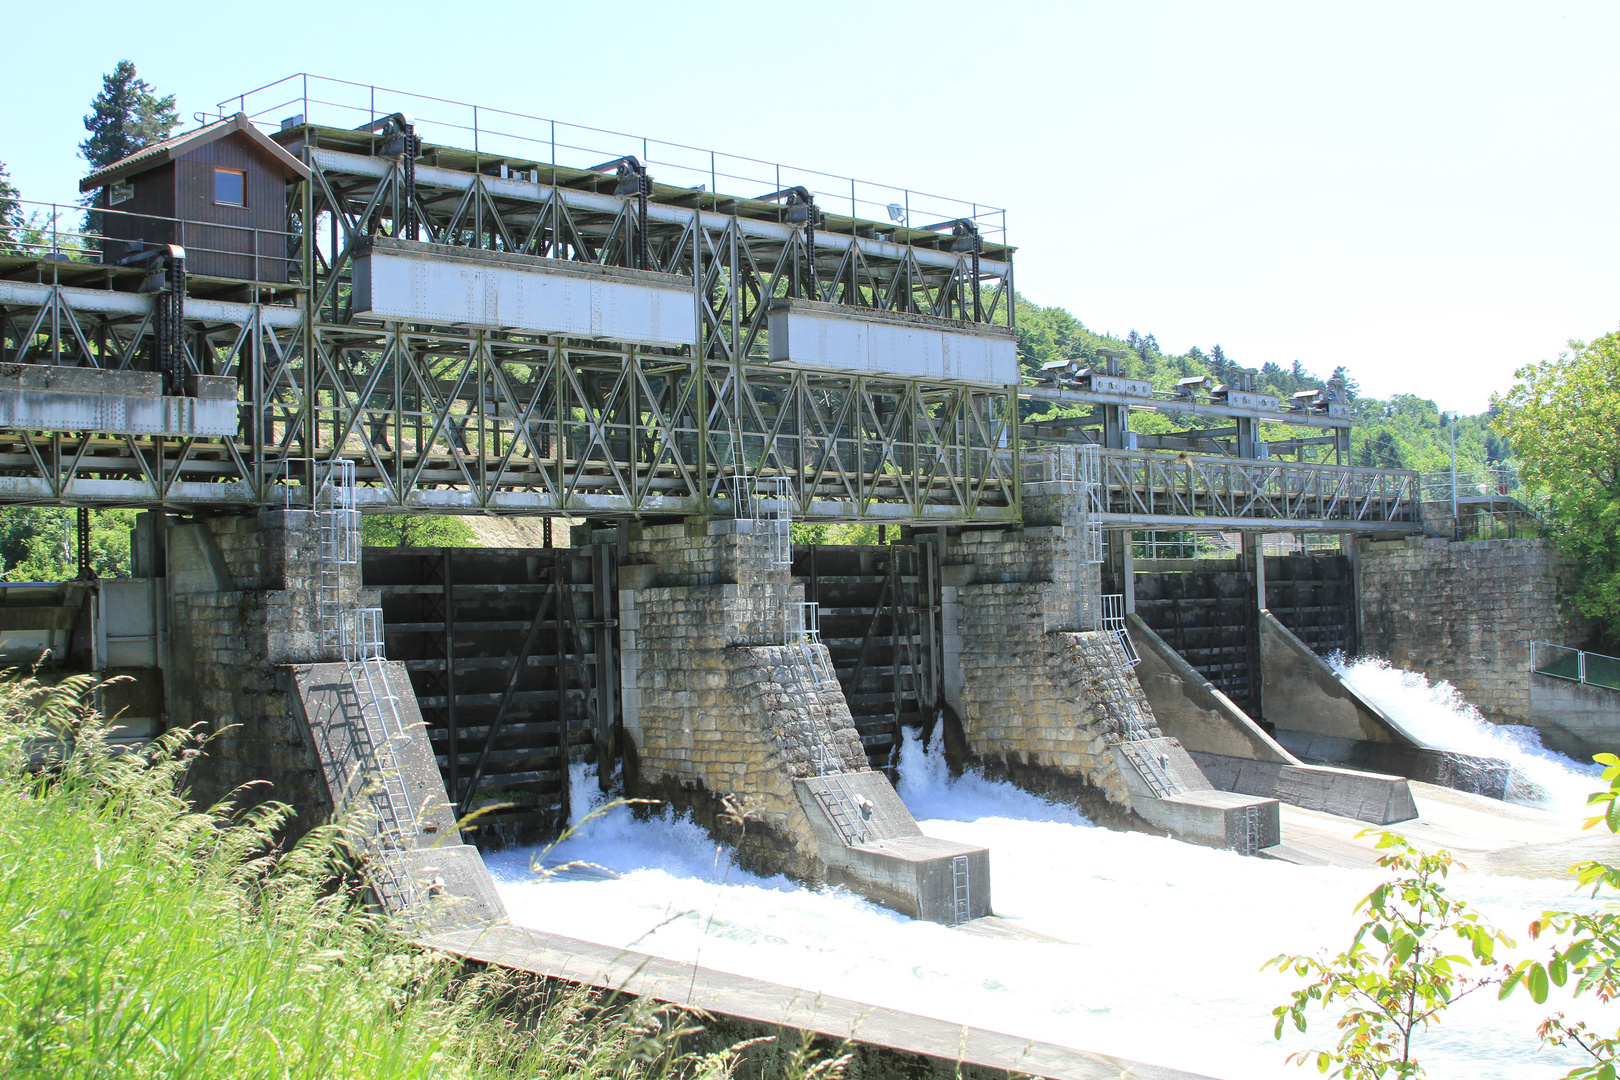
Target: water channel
x: 1119, y: 943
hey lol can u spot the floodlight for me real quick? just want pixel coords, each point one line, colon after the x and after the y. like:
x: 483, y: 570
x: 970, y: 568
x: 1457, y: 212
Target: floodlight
x: 897, y: 213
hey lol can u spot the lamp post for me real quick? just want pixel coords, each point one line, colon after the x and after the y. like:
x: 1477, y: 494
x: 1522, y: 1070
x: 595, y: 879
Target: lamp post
x: 1452, y: 418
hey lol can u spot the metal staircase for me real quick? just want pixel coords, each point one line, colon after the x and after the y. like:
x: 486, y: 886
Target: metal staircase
x: 355, y: 634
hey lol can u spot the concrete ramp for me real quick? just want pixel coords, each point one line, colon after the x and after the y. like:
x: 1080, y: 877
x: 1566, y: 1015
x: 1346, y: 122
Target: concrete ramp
x: 1236, y: 755
x: 870, y: 844
x: 1168, y: 791
x: 1321, y: 719
x: 446, y: 880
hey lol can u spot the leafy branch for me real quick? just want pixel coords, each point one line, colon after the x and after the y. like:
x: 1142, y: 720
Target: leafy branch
x: 1397, y: 975
x: 1592, y: 954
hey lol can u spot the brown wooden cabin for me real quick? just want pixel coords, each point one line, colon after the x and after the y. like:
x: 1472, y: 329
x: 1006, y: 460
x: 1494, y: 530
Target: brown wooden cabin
x: 220, y: 192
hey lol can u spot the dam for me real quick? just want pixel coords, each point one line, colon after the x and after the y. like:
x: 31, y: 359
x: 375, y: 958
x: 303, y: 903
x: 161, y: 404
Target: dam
x: 677, y: 359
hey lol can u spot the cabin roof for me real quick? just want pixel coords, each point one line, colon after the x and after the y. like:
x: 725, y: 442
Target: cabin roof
x: 159, y: 153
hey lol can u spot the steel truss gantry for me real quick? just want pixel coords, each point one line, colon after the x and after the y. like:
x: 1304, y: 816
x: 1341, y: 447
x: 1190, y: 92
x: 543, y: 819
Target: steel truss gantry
x: 476, y: 419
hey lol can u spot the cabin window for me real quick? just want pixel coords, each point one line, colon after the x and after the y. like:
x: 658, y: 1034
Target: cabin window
x: 230, y: 187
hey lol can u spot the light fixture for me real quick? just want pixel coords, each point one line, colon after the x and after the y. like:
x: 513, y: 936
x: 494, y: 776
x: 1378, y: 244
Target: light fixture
x: 897, y: 213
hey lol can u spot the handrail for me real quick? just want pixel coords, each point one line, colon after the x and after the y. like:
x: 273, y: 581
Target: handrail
x: 1154, y: 483
x: 523, y: 135
x: 1575, y: 665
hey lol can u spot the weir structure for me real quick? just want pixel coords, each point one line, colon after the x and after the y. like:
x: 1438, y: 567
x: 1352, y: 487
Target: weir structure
x: 339, y: 292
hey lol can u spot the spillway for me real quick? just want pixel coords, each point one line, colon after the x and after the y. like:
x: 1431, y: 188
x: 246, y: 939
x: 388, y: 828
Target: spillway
x: 1437, y: 716
x: 1123, y: 943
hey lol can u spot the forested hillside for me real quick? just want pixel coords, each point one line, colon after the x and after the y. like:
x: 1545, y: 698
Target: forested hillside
x: 1402, y: 432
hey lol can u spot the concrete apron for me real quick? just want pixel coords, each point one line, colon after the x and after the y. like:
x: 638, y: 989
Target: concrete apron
x: 883, y: 856
x: 884, y: 1042
x: 460, y: 911
x: 1170, y: 792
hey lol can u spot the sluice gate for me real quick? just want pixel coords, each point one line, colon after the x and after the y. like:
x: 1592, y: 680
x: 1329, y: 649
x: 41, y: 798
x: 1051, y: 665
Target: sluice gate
x: 622, y: 335
x: 878, y: 607
x: 511, y: 655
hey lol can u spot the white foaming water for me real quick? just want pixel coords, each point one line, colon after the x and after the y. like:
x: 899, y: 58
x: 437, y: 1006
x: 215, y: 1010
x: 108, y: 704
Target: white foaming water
x: 1436, y: 715
x: 930, y: 791
x: 1151, y: 948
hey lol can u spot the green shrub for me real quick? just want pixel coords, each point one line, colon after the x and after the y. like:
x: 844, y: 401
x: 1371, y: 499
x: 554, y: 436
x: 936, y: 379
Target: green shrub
x: 142, y: 938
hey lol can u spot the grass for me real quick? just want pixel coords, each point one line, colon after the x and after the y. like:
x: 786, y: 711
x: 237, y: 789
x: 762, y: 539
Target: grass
x: 140, y: 937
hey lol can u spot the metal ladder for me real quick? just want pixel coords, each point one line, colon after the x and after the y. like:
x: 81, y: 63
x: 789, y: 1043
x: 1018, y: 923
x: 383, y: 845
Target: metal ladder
x: 356, y: 633
x: 834, y: 795
x: 842, y: 809
x: 1155, y: 772
x: 960, y: 898
x: 1251, y: 830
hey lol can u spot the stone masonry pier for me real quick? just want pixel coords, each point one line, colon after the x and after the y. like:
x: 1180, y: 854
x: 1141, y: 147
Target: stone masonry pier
x: 1045, y: 699
x: 732, y: 716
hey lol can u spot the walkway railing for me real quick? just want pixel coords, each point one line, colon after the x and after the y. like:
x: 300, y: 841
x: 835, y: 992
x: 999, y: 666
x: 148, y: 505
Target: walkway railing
x: 503, y: 133
x: 1576, y: 665
x: 1144, y: 483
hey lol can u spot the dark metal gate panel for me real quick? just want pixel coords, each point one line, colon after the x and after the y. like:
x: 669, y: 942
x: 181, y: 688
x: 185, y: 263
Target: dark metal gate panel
x: 1212, y: 620
x: 878, y: 609
x: 532, y: 682
x: 1314, y: 596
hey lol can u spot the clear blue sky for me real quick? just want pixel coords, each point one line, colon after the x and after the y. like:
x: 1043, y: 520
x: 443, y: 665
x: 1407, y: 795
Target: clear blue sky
x: 1423, y: 192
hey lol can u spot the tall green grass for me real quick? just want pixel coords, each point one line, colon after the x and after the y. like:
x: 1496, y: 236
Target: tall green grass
x: 142, y: 938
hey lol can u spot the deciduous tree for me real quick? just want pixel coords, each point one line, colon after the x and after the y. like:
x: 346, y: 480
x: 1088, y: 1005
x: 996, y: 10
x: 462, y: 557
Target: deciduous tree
x: 415, y: 530
x: 1400, y: 973
x: 1562, y: 418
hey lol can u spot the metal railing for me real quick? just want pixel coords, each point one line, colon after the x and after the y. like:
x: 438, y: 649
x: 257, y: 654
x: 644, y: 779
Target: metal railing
x: 1111, y: 617
x: 802, y: 630
x: 357, y: 635
x: 1499, y: 482
x: 1576, y: 665
x: 1150, y: 484
x: 56, y: 232
x: 767, y: 501
x: 503, y: 133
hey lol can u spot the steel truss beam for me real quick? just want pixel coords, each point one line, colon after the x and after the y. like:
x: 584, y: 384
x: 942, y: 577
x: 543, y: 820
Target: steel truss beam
x: 467, y: 420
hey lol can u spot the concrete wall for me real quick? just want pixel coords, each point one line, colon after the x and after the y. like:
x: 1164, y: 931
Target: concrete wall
x: 1467, y: 612
x: 1574, y: 718
x: 451, y: 886
x: 1236, y: 755
x: 1302, y: 693
x: 1188, y: 707
x: 1332, y: 723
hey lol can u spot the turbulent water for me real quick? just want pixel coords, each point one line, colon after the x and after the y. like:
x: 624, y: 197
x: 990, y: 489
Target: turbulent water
x: 1139, y: 946
x: 1436, y: 715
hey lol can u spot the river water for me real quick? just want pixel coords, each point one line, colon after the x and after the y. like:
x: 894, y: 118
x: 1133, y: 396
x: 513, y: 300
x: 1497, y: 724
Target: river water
x: 1136, y: 945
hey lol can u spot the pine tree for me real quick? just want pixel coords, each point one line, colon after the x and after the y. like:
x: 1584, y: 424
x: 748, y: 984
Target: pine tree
x: 1341, y: 375
x: 124, y: 117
